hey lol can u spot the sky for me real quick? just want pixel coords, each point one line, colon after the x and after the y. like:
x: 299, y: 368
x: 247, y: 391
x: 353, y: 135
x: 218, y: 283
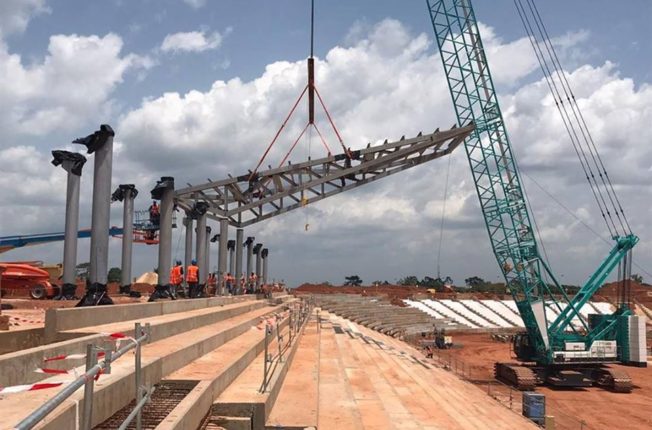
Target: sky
x: 197, y: 89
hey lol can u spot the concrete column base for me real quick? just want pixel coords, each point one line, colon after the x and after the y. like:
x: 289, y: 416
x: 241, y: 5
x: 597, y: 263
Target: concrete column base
x: 162, y: 292
x: 96, y: 295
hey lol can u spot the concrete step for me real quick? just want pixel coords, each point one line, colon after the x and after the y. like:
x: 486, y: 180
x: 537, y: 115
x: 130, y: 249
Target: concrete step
x: 243, y: 398
x: 18, y: 367
x: 159, y: 359
x: 337, y: 408
x: 460, y: 404
x: 232, y: 372
x: 301, y: 386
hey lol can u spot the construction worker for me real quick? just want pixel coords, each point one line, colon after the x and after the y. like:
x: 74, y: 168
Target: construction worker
x: 243, y: 283
x: 176, y: 278
x: 228, y: 280
x: 252, y: 283
x: 192, y: 278
x: 154, y: 214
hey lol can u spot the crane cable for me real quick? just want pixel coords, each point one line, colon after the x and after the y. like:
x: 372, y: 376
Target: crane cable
x: 443, y: 216
x: 578, y: 219
x: 606, y: 180
x: 551, y: 67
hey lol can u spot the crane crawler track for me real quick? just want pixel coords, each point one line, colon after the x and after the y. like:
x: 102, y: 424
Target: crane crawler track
x: 616, y: 380
x: 522, y: 378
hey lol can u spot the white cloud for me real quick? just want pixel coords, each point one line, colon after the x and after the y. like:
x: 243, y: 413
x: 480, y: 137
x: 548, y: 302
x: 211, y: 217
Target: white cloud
x: 15, y: 14
x: 195, y: 4
x: 192, y: 41
x: 72, y: 84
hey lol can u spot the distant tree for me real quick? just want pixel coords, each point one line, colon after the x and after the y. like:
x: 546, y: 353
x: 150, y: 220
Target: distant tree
x: 637, y: 278
x: 476, y: 283
x: 409, y: 280
x: 115, y: 273
x: 352, y: 280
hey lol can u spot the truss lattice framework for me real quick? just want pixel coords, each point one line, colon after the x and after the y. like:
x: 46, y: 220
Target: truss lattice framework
x: 245, y: 200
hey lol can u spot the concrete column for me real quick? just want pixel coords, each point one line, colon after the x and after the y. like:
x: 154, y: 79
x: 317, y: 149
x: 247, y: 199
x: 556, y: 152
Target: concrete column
x: 259, y: 273
x: 73, y: 164
x: 249, y: 243
x: 221, y: 268
x: 230, y: 245
x: 239, y: 234
x: 264, y: 253
x: 126, y: 193
x: 208, y: 251
x: 188, y: 222
x: 164, y: 191
x: 200, y: 247
x: 101, y: 143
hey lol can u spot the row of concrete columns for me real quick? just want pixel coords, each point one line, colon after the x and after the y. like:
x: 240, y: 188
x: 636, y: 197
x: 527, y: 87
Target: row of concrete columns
x: 101, y: 144
x: 229, y: 251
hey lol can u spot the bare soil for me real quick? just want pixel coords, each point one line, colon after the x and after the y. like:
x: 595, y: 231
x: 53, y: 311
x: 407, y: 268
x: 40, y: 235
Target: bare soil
x: 598, y: 408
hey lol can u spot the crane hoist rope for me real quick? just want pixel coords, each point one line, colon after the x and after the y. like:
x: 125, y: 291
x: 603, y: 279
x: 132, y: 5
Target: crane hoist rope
x: 573, y: 119
x: 312, y: 91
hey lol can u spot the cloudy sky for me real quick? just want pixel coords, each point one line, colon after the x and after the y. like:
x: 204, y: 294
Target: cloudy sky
x: 197, y: 89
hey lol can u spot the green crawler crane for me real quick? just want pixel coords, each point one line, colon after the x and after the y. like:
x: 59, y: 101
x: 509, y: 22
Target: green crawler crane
x: 552, y: 351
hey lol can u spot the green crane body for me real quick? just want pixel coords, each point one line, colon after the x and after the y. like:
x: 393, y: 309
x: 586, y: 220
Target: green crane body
x: 502, y: 199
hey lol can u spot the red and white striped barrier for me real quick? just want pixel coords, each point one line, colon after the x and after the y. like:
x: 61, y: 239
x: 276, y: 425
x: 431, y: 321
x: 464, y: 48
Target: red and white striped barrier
x: 71, y: 357
x: 31, y: 387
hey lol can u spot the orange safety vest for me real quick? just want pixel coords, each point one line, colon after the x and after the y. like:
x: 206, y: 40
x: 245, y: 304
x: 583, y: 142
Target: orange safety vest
x: 193, y: 274
x: 175, y: 275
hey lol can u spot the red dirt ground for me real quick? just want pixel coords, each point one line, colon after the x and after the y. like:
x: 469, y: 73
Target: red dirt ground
x: 598, y: 408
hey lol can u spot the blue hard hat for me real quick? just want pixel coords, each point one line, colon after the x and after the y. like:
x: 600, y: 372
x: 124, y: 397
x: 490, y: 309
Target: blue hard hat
x: 194, y: 261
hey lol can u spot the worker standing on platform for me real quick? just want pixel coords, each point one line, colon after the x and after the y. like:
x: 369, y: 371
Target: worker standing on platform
x: 154, y: 214
x: 192, y: 278
x: 252, y: 283
x: 176, y: 278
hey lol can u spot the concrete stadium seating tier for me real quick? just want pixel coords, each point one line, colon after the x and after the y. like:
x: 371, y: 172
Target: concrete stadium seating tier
x: 184, y: 332
x: 358, y: 378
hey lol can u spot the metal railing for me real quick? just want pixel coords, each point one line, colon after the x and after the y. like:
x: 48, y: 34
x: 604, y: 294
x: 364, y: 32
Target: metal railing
x: 297, y: 318
x: 93, y: 371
